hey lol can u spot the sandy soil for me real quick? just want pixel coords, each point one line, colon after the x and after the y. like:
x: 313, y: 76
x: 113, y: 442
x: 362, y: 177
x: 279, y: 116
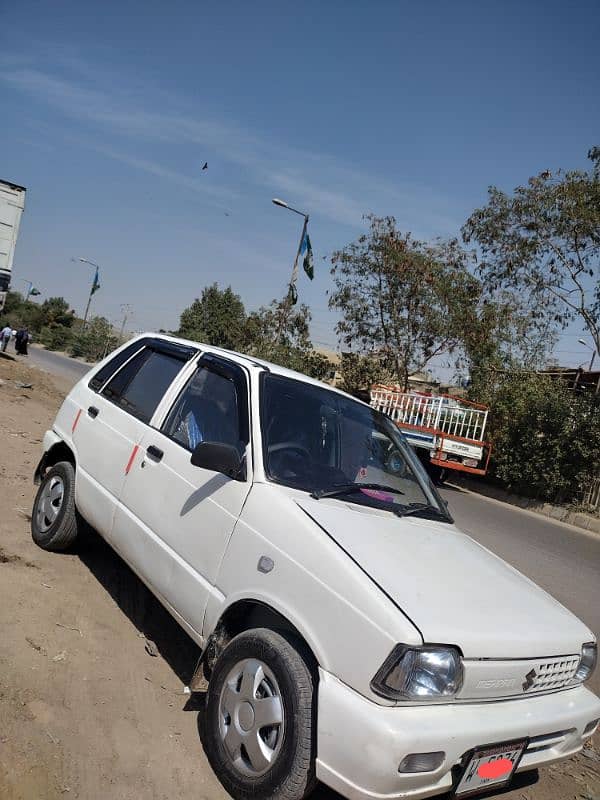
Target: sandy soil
x: 85, y: 711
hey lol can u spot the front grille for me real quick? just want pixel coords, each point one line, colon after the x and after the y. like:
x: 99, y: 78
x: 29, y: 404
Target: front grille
x: 552, y: 674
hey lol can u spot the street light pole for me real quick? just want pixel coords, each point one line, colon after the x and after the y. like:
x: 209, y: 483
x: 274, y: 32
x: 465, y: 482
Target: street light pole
x: 94, y: 286
x: 289, y: 298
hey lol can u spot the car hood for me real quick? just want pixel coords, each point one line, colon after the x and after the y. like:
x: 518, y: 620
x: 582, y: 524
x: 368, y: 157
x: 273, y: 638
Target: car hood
x: 452, y: 589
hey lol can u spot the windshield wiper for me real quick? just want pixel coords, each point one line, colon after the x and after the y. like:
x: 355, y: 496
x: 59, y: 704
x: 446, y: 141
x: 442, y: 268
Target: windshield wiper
x: 347, y: 488
x: 420, y: 508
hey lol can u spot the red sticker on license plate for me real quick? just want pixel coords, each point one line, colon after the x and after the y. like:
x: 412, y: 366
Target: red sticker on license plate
x: 490, y: 767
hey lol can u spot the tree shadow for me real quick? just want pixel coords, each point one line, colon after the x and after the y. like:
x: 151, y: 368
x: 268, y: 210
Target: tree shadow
x: 141, y: 607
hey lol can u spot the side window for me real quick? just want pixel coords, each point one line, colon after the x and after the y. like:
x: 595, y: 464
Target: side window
x: 210, y: 409
x: 98, y: 380
x: 140, y: 385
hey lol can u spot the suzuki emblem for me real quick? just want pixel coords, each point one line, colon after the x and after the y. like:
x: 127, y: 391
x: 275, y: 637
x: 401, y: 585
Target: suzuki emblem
x: 529, y: 679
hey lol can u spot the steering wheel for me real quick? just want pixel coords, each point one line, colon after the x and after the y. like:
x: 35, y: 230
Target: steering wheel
x: 396, y: 463
x: 293, y: 446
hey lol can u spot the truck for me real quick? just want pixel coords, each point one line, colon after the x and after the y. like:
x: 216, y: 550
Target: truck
x: 447, y: 432
x: 12, y: 205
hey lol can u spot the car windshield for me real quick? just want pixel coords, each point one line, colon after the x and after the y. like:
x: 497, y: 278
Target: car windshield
x: 329, y: 445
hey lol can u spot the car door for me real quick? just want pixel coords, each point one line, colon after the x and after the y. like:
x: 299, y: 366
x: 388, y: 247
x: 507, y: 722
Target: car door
x: 173, y: 519
x: 115, y: 408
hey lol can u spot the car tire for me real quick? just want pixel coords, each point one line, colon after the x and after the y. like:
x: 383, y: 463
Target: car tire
x: 54, y: 519
x: 269, y: 762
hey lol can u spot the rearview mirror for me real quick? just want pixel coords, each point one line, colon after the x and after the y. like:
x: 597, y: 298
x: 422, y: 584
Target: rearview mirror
x: 219, y: 457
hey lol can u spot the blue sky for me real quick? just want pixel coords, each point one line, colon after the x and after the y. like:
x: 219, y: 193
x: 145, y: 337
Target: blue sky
x: 341, y: 108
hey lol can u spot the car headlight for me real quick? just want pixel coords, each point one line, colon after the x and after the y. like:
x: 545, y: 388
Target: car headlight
x: 587, y: 664
x: 420, y: 673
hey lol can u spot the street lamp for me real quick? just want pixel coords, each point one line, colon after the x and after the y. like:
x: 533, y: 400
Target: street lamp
x: 95, y: 284
x: 276, y: 201
x: 291, y: 294
x: 589, y: 347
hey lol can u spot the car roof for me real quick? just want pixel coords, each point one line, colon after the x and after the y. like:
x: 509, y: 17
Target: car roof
x: 251, y: 363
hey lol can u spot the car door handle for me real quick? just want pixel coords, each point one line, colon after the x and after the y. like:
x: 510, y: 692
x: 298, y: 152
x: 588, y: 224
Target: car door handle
x: 154, y: 452
x: 93, y: 412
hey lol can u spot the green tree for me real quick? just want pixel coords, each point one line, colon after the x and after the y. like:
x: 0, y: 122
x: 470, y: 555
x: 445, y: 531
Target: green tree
x: 400, y: 298
x: 288, y: 345
x: 541, y: 244
x: 57, y: 313
x: 546, y: 440
x: 359, y: 372
x: 217, y: 318
x: 94, y: 341
x: 50, y: 321
x: 19, y: 312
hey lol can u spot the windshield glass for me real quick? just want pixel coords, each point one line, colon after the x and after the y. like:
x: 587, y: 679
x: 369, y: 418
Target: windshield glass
x: 327, y: 444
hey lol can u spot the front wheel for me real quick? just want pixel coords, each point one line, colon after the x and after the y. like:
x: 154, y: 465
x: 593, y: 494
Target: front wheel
x: 259, y: 729
x: 54, y: 521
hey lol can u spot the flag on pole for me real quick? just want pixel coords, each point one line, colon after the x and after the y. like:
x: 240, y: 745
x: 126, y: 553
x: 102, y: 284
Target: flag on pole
x: 306, y: 251
x: 34, y: 292
x: 96, y: 283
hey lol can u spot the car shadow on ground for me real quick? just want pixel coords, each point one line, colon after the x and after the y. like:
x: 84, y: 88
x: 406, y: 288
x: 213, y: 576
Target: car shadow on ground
x: 175, y: 646
x: 141, y: 607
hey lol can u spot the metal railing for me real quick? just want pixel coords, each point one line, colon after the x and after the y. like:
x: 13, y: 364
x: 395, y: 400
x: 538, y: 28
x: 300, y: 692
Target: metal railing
x: 445, y: 414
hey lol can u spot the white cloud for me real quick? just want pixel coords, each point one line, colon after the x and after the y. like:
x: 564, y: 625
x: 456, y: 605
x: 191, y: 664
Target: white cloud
x: 328, y: 187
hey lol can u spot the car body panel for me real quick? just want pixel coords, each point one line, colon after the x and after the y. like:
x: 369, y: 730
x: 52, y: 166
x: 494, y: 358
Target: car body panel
x: 311, y: 576
x: 354, y: 581
x: 454, y: 590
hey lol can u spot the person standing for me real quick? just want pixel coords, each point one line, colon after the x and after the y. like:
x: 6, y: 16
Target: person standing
x: 5, y: 335
x: 21, y: 341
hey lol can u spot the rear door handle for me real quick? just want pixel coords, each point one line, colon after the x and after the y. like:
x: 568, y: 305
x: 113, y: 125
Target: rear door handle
x: 154, y: 453
x: 93, y: 412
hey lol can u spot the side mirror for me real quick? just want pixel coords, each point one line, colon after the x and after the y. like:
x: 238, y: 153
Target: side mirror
x: 218, y: 457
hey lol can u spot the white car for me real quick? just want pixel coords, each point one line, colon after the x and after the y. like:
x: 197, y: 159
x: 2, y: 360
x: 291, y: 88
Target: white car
x: 349, y: 631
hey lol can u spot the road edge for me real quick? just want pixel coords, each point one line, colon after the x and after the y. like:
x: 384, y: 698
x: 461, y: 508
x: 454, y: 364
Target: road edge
x: 576, y: 519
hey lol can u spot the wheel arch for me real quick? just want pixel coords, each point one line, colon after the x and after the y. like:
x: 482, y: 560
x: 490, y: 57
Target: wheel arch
x: 242, y: 615
x: 59, y: 451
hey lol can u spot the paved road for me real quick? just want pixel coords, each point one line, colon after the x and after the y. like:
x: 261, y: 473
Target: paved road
x: 68, y: 368
x: 560, y: 558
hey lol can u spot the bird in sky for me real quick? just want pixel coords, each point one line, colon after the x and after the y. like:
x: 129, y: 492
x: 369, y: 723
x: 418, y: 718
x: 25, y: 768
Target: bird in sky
x: 205, y: 165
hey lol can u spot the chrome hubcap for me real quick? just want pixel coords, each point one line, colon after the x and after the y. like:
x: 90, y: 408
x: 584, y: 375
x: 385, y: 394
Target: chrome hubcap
x: 251, y: 717
x: 50, y: 503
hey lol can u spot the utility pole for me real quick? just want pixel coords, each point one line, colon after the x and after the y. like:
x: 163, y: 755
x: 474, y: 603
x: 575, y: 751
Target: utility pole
x: 127, y: 312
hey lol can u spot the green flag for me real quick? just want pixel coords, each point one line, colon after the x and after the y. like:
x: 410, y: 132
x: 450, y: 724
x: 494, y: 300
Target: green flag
x: 34, y: 292
x: 306, y: 250
x: 96, y: 283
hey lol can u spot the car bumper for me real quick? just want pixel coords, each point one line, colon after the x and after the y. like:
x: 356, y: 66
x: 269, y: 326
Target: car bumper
x: 361, y: 744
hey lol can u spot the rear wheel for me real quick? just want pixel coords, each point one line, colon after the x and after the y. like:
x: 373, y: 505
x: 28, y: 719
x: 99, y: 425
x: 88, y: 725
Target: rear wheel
x: 54, y: 521
x: 260, y: 722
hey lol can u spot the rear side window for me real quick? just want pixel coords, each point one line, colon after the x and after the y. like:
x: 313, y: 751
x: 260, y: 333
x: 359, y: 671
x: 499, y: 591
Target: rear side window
x: 108, y: 370
x: 140, y: 385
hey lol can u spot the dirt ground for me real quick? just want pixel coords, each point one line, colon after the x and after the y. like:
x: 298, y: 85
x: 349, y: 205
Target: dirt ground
x: 85, y: 711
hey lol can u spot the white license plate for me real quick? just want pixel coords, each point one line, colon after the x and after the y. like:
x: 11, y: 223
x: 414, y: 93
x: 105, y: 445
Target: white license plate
x: 490, y: 767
